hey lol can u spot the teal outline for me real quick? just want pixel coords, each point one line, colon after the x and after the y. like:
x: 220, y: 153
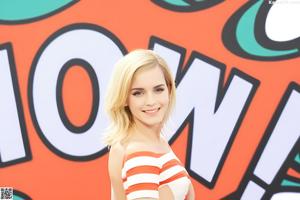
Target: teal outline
x: 246, y: 37
x: 16, y: 10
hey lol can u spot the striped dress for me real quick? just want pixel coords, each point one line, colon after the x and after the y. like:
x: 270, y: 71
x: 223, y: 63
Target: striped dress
x: 144, y: 172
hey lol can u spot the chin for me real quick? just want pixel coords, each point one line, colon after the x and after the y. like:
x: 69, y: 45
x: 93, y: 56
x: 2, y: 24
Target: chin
x: 152, y: 123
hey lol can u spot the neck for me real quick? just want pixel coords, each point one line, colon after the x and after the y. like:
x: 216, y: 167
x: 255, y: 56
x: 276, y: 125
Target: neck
x: 150, y: 133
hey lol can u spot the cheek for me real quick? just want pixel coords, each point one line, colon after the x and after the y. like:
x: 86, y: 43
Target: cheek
x: 134, y: 103
x: 165, y: 99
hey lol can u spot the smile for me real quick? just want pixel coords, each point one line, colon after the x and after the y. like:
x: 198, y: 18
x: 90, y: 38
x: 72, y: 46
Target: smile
x: 151, y: 110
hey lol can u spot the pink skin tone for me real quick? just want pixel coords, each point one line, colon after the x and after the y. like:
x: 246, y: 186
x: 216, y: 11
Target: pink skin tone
x: 148, y: 98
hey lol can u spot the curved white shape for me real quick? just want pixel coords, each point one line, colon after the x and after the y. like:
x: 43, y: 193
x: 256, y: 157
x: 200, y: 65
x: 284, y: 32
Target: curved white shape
x: 282, y: 22
x: 101, y: 52
x: 286, y: 196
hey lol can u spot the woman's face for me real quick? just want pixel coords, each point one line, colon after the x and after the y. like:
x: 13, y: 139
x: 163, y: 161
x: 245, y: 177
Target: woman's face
x: 148, y: 98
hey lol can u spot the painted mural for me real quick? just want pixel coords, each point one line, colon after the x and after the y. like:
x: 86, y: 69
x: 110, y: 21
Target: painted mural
x: 236, y: 65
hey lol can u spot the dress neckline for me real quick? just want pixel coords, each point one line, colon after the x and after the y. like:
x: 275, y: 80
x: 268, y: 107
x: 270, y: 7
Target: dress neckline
x: 145, y: 153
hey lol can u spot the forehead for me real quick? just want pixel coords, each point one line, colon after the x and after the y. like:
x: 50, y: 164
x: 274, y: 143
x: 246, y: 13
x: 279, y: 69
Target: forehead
x: 147, y: 77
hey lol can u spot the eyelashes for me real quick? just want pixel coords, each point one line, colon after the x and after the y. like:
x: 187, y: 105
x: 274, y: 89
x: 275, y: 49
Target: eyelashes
x: 159, y: 90
x: 156, y: 90
x: 138, y: 93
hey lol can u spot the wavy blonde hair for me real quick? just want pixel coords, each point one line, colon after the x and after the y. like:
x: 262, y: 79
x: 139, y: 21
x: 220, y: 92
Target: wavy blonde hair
x: 121, y: 119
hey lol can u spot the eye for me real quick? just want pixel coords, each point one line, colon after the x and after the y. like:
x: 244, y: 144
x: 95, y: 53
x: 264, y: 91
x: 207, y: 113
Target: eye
x: 137, y: 93
x: 159, y: 90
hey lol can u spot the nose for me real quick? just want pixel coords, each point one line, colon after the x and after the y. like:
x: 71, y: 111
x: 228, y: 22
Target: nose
x: 150, y: 99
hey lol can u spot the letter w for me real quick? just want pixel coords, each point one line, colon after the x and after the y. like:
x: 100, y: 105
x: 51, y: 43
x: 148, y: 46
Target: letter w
x: 216, y: 110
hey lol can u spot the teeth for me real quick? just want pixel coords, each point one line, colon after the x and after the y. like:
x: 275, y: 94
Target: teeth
x: 151, y: 111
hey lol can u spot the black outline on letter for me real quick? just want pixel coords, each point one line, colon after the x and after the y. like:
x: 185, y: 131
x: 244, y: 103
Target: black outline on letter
x: 230, y: 41
x: 222, y: 88
x: 249, y: 176
x: 31, y: 78
x: 59, y: 97
x: 19, y: 105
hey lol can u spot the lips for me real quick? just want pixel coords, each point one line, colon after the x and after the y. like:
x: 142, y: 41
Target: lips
x: 151, y: 111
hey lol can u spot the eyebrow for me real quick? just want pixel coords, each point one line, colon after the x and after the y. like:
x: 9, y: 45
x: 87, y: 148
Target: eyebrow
x: 157, y: 86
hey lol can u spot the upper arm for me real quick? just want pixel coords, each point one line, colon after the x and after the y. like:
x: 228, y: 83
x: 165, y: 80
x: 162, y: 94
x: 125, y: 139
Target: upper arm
x: 191, y: 193
x: 115, y: 162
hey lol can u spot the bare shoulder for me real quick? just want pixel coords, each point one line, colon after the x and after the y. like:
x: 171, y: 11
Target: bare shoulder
x: 115, y: 161
x: 115, y: 164
x: 117, y: 150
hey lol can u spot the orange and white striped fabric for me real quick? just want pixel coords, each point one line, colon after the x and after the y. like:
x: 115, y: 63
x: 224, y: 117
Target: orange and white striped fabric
x: 144, y: 172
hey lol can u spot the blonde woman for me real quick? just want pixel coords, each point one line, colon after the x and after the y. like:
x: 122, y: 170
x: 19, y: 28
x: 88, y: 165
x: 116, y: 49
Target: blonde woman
x: 141, y: 95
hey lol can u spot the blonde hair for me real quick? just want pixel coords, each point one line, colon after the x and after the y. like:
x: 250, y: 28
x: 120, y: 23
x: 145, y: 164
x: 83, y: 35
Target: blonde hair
x: 119, y: 86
